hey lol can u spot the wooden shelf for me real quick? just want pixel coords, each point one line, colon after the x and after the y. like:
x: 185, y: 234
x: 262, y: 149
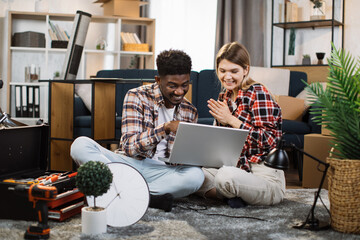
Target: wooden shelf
x: 308, y: 24
x: 49, y: 58
x: 309, y: 40
x: 62, y: 117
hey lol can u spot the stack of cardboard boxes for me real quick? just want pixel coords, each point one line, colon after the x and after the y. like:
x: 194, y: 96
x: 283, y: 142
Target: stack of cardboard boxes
x: 123, y: 8
x: 319, y: 146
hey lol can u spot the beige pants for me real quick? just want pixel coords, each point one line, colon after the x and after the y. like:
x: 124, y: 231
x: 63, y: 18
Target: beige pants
x: 264, y: 186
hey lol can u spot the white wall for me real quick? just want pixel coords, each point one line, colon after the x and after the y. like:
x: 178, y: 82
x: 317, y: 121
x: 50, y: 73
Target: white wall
x: 310, y: 41
x: 54, y: 6
x: 352, y: 27
x: 174, y: 29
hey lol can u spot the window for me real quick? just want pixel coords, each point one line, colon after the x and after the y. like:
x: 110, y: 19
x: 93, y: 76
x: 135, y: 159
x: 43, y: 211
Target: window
x: 187, y: 25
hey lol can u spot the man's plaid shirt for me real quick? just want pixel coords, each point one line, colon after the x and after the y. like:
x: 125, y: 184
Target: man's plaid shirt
x: 140, y: 129
x: 261, y: 115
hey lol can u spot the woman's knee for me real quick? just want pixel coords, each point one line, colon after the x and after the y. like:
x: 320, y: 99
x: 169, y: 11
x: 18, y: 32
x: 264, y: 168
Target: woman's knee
x: 227, y: 179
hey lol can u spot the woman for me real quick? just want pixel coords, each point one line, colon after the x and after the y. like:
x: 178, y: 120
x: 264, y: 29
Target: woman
x: 248, y: 105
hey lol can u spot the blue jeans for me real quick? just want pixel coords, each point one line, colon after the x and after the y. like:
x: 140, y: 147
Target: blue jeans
x: 180, y: 181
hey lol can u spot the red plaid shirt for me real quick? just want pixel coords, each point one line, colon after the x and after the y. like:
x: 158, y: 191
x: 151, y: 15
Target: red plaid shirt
x: 261, y: 115
x: 140, y: 129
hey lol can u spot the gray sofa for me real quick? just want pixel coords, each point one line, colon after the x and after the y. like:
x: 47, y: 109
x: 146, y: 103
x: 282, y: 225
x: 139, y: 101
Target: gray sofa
x: 205, y: 85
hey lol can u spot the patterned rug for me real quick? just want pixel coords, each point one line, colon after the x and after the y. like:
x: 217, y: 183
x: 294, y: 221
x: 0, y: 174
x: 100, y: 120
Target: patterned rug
x: 196, y: 218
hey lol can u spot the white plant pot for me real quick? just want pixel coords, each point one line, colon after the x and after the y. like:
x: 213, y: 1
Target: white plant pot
x: 93, y: 222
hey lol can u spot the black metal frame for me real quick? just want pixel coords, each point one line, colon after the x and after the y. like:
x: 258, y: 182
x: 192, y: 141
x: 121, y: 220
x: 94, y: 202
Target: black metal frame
x: 333, y: 24
x: 312, y: 223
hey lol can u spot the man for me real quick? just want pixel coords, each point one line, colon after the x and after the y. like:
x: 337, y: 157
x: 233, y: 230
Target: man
x: 150, y: 118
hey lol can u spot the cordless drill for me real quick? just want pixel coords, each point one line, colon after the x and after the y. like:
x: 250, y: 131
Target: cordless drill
x: 38, y: 194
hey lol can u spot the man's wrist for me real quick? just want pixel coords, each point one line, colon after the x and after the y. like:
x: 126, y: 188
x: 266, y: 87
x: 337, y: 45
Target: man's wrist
x: 166, y: 128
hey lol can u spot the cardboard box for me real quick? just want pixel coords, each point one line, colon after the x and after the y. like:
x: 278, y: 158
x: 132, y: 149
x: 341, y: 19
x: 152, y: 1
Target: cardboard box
x: 124, y: 8
x: 325, y: 131
x: 292, y: 108
x: 136, y: 47
x: 317, y: 145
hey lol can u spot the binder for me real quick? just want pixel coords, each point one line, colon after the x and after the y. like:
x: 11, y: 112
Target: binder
x: 36, y: 102
x: 18, y: 101
x: 30, y: 101
x: 24, y: 110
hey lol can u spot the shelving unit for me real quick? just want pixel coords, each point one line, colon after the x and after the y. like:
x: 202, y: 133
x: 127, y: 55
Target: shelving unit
x: 51, y: 60
x: 62, y: 117
x: 321, y: 32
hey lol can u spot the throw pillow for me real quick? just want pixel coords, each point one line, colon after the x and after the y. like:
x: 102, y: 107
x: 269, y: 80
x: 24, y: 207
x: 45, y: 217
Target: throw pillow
x: 305, y: 95
x: 84, y: 92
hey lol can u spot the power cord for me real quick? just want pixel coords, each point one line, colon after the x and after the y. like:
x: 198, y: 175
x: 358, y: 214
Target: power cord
x: 202, y: 208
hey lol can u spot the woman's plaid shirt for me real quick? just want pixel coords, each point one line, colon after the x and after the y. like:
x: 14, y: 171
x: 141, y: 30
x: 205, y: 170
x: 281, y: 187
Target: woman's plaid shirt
x: 140, y: 129
x: 261, y: 115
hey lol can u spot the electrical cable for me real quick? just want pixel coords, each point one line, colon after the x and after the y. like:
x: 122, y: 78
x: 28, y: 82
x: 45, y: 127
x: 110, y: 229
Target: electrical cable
x: 203, y: 208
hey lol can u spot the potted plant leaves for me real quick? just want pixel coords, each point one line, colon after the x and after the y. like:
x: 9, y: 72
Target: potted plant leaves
x: 337, y: 108
x: 93, y: 179
x: 306, y: 59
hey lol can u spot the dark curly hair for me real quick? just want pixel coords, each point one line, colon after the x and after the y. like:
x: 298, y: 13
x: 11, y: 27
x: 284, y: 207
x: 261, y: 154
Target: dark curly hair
x: 173, y: 62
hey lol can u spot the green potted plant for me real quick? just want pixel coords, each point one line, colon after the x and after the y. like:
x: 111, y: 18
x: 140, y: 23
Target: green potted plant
x: 318, y: 10
x: 338, y: 109
x: 306, y: 59
x: 93, y: 179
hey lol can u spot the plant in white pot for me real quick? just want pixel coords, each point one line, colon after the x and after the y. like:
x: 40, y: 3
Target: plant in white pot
x: 93, y: 179
x: 338, y: 110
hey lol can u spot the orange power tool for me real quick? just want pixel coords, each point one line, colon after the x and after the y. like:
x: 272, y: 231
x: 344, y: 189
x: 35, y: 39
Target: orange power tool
x: 38, y: 194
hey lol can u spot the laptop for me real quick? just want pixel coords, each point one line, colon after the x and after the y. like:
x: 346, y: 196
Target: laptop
x: 207, y: 145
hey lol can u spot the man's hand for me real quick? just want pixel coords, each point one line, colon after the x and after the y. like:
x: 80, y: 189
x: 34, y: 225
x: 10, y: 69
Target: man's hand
x: 171, y: 126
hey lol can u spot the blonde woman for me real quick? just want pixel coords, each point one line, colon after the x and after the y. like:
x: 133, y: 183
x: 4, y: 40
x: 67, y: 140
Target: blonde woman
x: 245, y: 104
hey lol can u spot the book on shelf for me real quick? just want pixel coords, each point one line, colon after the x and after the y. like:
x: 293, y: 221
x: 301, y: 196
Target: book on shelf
x: 137, y: 38
x: 57, y: 33
x: 127, y: 37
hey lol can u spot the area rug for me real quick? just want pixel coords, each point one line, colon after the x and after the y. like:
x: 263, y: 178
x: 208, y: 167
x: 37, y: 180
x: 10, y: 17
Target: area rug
x: 196, y: 218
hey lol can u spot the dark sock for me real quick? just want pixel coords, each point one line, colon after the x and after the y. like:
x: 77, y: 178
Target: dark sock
x: 236, y: 202
x: 163, y: 202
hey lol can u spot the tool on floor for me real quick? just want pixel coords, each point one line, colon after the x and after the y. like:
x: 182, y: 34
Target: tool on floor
x: 38, y: 194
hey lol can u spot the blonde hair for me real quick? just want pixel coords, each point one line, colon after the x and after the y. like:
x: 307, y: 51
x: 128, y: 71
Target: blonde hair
x: 238, y: 54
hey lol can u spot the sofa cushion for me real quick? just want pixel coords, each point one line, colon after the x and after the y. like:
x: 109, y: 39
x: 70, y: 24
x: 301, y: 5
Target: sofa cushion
x: 292, y: 126
x: 296, y: 83
x: 127, y: 73
x: 85, y: 93
x: 276, y: 80
x: 207, y: 86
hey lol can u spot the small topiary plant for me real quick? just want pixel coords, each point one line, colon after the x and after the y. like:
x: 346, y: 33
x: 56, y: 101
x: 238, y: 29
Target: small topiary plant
x: 93, y: 179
